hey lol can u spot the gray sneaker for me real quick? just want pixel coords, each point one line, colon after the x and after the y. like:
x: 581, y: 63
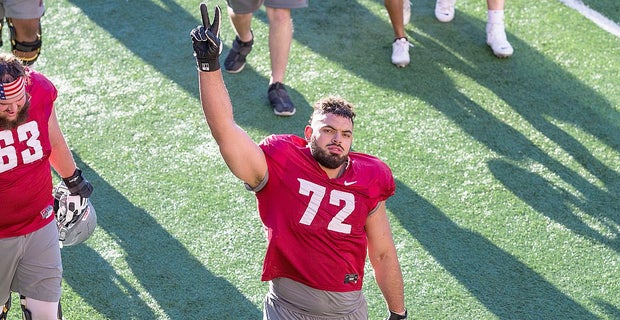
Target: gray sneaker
x: 280, y: 101
x: 235, y: 60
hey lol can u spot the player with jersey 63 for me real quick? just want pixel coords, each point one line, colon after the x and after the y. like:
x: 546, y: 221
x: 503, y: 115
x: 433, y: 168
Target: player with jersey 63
x: 322, y: 205
x: 31, y: 144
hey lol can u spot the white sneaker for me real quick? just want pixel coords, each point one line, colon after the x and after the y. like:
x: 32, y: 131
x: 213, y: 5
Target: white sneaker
x: 406, y: 11
x: 444, y: 10
x: 400, y: 52
x: 496, y: 39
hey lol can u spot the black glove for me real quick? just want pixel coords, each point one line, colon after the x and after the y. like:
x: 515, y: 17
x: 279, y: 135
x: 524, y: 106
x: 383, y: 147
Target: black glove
x: 77, y: 185
x: 206, y: 40
x: 396, y: 316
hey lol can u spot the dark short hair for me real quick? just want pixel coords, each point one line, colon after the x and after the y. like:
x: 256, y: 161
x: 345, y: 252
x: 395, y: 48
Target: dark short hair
x: 11, y: 68
x: 334, y: 105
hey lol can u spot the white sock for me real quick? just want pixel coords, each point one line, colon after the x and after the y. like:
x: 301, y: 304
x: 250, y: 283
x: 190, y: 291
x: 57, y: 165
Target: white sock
x: 495, y: 16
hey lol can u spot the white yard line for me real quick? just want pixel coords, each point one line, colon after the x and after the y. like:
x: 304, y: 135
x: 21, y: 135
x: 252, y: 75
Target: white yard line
x: 594, y: 16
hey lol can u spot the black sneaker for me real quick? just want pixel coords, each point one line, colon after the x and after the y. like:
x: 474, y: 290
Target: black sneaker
x: 280, y: 101
x: 235, y: 60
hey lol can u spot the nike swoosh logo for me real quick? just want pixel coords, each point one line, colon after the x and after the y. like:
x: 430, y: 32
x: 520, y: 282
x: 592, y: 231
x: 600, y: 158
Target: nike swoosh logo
x: 348, y: 183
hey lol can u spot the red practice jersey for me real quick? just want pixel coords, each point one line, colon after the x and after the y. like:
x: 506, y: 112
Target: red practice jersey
x: 314, y: 224
x: 25, y: 174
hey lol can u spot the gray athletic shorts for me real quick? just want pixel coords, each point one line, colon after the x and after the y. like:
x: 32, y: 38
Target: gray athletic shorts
x: 249, y: 6
x: 288, y: 299
x: 31, y: 265
x: 22, y: 9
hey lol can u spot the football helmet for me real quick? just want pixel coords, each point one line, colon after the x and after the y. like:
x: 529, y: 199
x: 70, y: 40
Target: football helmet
x: 75, y: 216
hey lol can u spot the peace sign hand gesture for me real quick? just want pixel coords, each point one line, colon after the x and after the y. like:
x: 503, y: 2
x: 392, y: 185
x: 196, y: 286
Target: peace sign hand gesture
x: 206, y: 40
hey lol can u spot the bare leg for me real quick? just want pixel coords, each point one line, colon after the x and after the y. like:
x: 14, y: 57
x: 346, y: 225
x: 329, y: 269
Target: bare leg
x: 280, y: 39
x: 495, y: 4
x: 395, y: 11
x: 400, y: 46
x: 26, y: 31
x: 242, y: 24
x: 42, y: 310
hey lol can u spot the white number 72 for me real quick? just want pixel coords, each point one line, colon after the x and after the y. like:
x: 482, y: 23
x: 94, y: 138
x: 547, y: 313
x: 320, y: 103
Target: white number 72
x: 336, y: 197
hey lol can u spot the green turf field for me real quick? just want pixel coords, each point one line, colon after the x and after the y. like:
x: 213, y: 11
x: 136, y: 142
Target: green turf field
x: 508, y: 171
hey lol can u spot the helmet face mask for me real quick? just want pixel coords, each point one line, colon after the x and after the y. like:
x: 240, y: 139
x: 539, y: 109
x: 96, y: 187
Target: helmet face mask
x: 75, y: 216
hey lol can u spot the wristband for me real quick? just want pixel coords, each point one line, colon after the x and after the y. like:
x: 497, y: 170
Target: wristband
x: 207, y: 64
x: 77, y: 185
x: 396, y: 316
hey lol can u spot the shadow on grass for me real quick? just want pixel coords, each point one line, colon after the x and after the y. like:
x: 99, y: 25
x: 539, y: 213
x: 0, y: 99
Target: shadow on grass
x: 546, y: 97
x: 611, y: 310
x: 178, y: 283
x: 507, y: 287
x: 539, y: 90
x: 534, y: 86
x: 558, y: 203
x: 610, y: 8
x: 159, y: 35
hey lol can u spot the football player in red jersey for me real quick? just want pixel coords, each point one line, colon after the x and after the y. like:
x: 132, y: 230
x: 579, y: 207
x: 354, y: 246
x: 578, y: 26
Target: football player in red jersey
x: 322, y: 205
x: 31, y: 143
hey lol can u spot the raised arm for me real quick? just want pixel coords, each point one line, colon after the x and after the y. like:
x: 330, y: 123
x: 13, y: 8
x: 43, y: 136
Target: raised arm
x: 244, y: 157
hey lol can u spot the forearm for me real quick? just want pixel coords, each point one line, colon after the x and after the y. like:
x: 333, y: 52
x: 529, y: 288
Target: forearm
x: 62, y: 161
x: 242, y: 155
x: 390, y: 281
x: 216, y: 103
x: 383, y: 257
x: 61, y: 158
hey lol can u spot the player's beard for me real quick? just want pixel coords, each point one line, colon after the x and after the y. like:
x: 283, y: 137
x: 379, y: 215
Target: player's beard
x: 325, y: 158
x: 22, y: 115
